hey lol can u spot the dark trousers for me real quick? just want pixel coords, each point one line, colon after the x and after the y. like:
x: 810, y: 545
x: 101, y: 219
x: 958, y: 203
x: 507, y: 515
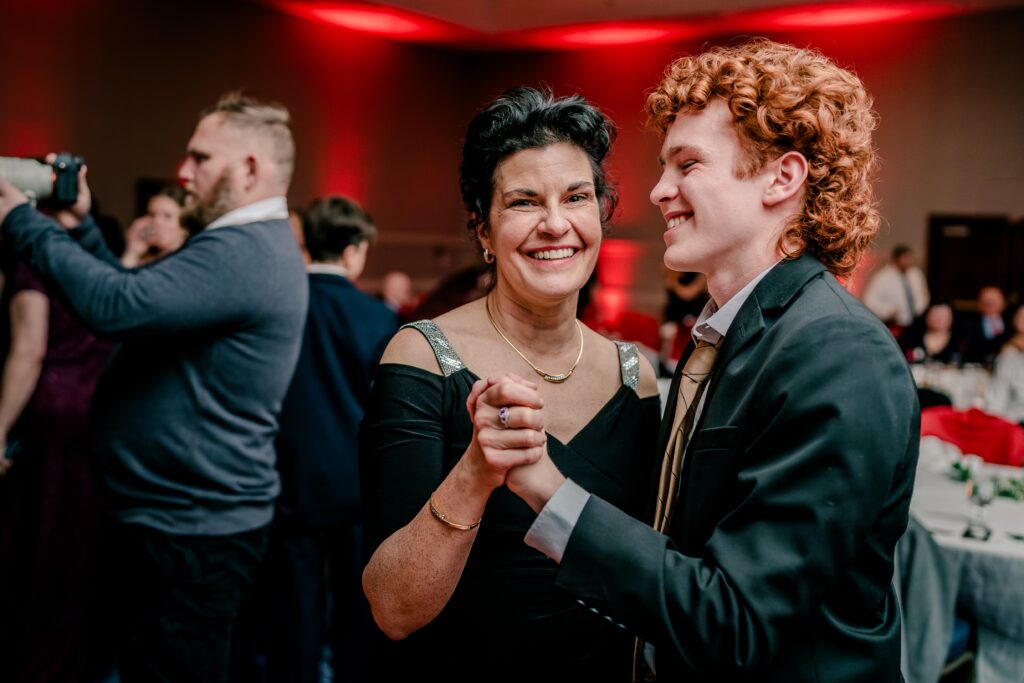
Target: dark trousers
x: 307, y: 570
x: 173, y: 600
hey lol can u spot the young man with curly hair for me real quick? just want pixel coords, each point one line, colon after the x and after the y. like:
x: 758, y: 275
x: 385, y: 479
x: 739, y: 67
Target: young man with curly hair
x: 786, y: 484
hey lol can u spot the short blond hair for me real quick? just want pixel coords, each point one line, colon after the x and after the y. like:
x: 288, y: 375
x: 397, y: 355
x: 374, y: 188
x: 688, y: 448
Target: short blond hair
x: 782, y: 99
x: 268, y: 120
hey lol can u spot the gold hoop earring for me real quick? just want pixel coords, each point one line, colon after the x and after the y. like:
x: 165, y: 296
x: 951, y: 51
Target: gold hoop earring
x: 488, y: 257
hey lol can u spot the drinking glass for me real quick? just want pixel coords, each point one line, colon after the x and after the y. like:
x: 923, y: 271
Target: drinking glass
x: 981, y: 491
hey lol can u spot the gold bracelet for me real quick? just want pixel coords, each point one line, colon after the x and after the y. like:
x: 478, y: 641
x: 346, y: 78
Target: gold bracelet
x: 447, y: 522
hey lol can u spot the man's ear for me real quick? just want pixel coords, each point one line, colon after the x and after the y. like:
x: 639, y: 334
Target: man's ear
x: 788, y: 175
x: 252, y: 168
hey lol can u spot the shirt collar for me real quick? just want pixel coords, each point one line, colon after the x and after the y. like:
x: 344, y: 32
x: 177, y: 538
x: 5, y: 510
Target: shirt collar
x: 327, y: 269
x: 713, y: 323
x: 273, y: 208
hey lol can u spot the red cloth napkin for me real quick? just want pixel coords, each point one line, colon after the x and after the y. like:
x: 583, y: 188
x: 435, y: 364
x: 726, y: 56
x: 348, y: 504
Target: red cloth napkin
x: 996, y: 440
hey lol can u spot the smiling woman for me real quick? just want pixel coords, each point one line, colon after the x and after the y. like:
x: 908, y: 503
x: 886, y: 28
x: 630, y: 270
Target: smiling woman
x: 449, y: 562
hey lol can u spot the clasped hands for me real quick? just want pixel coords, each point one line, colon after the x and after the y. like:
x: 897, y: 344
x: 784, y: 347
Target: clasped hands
x: 509, y: 442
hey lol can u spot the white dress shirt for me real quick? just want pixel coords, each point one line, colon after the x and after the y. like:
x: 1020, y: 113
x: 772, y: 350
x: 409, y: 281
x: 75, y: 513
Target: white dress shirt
x: 273, y: 208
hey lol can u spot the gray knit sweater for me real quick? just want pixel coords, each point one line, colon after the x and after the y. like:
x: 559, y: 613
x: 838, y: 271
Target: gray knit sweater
x: 184, y: 417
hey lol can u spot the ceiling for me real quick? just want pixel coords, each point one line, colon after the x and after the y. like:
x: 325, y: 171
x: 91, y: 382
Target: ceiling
x: 494, y: 16
x: 574, y: 24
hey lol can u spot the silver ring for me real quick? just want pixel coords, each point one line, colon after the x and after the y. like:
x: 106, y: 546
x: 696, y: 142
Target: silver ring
x: 503, y: 416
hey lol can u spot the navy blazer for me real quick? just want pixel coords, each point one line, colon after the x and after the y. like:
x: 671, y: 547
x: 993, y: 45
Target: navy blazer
x: 317, y: 447
x: 794, y: 490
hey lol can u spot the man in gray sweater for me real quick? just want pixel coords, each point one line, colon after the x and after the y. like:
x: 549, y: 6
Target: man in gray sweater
x: 185, y: 416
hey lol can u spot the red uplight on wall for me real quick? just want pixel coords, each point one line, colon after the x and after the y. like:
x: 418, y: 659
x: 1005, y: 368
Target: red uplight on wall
x: 27, y: 138
x: 616, y: 275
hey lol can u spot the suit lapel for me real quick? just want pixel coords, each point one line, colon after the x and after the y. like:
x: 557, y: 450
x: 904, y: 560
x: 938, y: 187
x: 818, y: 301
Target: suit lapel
x: 774, y: 292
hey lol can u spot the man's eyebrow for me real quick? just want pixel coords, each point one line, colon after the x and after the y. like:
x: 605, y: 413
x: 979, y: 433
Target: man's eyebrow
x: 676, y: 149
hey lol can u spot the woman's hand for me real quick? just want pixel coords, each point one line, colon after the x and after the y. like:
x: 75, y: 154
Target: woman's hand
x: 137, y: 241
x: 528, y: 471
x: 499, y: 445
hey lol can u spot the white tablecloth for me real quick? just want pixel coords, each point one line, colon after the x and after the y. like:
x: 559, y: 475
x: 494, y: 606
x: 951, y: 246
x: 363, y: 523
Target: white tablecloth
x: 966, y: 387
x: 992, y: 577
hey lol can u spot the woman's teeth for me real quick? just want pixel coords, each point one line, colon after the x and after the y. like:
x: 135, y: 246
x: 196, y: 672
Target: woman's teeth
x: 552, y: 254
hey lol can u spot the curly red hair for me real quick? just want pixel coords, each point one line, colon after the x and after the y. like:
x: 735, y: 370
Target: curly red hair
x: 783, y: 99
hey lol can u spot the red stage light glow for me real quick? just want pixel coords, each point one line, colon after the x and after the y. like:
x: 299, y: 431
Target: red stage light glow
x: 369, y: 20
x: 576, y: 36
x: 398, y: 24
x: 616, y: 273
x: 843, y: 16
x: 386, y: 22
x: 613, y: 35
x: 834, y: 16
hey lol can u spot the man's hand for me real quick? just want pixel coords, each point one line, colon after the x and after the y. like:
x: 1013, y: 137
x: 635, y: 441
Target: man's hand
x: 535, y: 483
x: 73, y: 215
x: 10, y: 197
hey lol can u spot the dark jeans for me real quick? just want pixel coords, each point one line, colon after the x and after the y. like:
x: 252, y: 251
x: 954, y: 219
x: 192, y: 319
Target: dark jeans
x: 308, y: 594
x: 173, y: 600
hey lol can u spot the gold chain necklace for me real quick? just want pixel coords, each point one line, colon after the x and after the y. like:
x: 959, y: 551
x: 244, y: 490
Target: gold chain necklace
x: 546, y: 376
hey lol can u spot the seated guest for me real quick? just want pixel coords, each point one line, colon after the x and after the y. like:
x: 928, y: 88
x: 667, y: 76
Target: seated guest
x: 987, y: 332
x: 1006, y: 392
x: 935, y: 337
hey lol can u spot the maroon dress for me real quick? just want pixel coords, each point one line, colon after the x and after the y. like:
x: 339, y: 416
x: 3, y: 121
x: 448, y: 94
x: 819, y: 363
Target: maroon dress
x: 50, y: 510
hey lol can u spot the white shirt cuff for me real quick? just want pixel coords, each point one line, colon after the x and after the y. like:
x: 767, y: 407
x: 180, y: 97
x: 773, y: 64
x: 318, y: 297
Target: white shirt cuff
x: 550, y: 532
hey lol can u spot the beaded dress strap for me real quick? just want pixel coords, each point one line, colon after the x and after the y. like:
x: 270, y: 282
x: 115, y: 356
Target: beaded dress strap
x: 446, y: 357
x: 629, y: 364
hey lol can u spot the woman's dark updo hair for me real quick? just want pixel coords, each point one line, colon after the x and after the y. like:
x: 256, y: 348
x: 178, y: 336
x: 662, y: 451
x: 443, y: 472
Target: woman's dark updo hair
x: 527, y: 118
x: 174, y: 192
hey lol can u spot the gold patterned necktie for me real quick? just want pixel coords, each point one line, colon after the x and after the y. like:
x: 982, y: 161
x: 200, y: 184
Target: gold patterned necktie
x: 691, y: 385
x: 694, y: 378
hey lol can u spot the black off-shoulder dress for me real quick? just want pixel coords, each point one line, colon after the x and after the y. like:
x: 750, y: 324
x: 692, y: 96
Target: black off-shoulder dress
x: 506, y: 621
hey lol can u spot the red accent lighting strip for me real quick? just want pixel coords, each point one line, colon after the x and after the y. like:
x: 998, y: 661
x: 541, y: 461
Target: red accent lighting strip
x: 403, y: 25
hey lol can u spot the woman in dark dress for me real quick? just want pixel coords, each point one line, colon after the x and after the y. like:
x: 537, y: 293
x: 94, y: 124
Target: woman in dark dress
x: 49, y: 503
x: 450, y: 576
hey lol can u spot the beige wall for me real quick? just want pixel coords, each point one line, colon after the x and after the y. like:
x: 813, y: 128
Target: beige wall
x: 121, y: 82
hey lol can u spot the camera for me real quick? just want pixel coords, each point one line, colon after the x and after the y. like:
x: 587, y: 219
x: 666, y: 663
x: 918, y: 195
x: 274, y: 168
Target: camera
x: 57, y: 182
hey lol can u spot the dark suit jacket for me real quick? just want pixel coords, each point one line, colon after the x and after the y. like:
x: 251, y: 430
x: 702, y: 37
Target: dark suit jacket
x: 980, y: 348
x: 317, y: 447
x: 794, y: 491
